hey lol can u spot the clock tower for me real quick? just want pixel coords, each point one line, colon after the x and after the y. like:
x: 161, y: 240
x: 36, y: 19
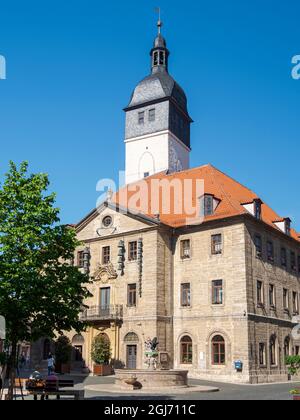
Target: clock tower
x: 157, y: 135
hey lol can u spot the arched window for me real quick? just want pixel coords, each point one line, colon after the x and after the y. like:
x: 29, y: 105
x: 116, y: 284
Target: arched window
x: 186, y: 350
x: 218, y: 350
x: 131, y: 338
x: 287, y: 347
x: 78, y: 339
x: 273, y: 351
x: 46, y: 348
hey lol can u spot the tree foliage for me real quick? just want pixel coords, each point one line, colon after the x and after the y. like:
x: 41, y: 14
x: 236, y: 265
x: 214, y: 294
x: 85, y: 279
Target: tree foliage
x: 41, y: 292
x: 293, y: 364
x: 63, y: 350
x: 101, y: 351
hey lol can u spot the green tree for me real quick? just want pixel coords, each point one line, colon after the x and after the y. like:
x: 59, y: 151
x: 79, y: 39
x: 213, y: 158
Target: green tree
x: 101, y: 352
x: 41, y: 291
x: 293, y: 364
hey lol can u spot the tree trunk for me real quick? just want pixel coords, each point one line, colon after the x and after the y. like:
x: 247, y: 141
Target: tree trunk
x: 12, y: 371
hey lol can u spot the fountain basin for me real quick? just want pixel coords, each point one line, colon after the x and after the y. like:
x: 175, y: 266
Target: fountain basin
x: 151, y: 379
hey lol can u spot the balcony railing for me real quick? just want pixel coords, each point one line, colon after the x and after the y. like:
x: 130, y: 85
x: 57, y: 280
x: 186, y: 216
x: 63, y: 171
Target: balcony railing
x: 102, y: 313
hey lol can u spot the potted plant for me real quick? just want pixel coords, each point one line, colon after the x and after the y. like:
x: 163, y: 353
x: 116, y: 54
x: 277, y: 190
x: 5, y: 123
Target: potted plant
x: 63, y: 351
x: 101, y: 355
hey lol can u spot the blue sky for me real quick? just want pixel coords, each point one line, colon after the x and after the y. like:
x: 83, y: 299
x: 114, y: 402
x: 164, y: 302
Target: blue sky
x: 71, y: 68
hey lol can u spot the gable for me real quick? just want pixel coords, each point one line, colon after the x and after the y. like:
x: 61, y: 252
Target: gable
x: 92, y: 227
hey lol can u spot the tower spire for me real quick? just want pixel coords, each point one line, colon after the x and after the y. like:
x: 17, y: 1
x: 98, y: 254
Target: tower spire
x: 159, y: 53
x: 159, y: 22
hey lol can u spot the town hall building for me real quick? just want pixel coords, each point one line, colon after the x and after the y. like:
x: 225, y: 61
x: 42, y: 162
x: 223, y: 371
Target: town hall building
x: 221, y: 294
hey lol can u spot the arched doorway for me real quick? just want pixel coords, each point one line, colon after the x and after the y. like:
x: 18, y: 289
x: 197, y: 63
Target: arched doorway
x: 131, y: 340
x: 78, y: 345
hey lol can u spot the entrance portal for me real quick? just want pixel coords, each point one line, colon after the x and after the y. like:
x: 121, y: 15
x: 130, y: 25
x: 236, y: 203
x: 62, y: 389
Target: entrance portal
x: 131, y: 357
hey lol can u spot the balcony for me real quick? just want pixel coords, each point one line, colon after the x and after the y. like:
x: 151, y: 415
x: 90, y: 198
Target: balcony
x: 102, y: 313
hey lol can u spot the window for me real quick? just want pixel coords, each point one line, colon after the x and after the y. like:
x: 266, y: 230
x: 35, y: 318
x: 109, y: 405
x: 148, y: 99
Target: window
x: 218, y: 351
x: 293, y: 261
x: 186, y: 295
x: 141, y: 118
x: 152, y: 115
x: 106, y: 255
x: 208, y: 205
x: 132, y: 251
x: 185, y: 249
x: 186, y: 351
x: 286, y: 303
x: 262, y: 354
x: 257, y: 209
x: 260, y: 293
x: 287, y: 347
x: 283, y: 257
x: 131, y: 300
x: 295, y: 303
x: 80, y: 259
x: 161, y: 58
x: 288, y: 227
x: 131, y: 338
x: 273, y: 351
x: 258, y: 246
x: 217, y: 292
x: 107, y: 222
x: 216, y: 244
x: 155, y: 59
x: 298, y: 264
x: 270, y: 251
x: 146, y: 174
x: 272, y: 298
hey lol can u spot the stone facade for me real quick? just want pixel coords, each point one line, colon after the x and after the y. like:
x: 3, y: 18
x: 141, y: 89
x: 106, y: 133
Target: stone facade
x: 159, y: 312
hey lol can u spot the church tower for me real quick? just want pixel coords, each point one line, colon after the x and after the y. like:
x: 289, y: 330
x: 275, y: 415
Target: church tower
x: 157, y: 136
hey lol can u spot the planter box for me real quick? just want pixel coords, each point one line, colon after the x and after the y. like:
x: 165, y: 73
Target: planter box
x: 102, y: 370
x: 66, y: 368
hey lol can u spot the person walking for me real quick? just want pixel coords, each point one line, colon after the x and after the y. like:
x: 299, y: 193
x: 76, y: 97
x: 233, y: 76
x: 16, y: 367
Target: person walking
x: 51, y: 363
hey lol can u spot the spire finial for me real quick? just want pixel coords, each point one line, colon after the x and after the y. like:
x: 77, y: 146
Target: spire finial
x: 159, y: 22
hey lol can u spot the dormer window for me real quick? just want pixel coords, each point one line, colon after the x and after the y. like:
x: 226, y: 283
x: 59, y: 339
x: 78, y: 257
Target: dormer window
x: 254, y: 208
x: 288, y: 227
x: 257, y: 209
x: 208, y: 205
x: 284, y: 225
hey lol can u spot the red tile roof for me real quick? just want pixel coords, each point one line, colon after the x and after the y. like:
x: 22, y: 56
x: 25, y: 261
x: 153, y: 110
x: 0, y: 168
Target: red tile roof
x: 232, y: 196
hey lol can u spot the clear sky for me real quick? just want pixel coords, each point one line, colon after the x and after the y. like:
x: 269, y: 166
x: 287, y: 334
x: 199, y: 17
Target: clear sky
x: 72, y: 65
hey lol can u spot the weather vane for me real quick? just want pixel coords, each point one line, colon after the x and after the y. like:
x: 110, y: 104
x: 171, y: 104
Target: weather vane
x: 159, y: 23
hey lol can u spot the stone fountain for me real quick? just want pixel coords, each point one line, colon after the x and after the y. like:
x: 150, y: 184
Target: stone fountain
x: 154, y: 376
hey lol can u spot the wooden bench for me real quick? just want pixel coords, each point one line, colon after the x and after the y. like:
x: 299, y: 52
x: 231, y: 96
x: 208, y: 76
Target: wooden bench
x: 58, y: 389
